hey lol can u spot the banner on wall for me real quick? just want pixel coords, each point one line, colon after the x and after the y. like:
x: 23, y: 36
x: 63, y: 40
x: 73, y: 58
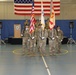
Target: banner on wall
x: 24, y: 7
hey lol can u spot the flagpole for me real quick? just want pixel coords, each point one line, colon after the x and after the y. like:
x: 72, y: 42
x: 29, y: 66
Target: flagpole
x: 51, y: 13
x: 51, y: 6
x: 32, y: 20
x: 41, y: 11
x: 42, y: 15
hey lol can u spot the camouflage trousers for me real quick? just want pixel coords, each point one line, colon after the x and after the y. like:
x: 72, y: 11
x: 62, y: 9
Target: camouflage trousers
x: 26, y: 44
x: 58, y: 47
x: 42, y: 45
x: 52, y: 46
x: 33, y: 45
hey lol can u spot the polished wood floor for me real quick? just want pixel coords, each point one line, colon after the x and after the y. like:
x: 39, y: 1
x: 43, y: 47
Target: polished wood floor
x: 12, y: 62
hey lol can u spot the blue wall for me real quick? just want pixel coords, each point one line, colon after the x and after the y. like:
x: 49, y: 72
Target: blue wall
x: 64, y: 24
x: 8, y: 27
x: 0, y: 34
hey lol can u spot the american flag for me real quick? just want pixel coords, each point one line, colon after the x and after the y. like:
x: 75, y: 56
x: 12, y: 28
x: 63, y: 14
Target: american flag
x: 32, y: 20
x: 52, y: 17
x: 23, y: 7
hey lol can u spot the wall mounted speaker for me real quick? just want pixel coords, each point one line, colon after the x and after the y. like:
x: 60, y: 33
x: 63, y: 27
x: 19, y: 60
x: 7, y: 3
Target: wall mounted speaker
x: 71, y: 24
x: 0, y: 25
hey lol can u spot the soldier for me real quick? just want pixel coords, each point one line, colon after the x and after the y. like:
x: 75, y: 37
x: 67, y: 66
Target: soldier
x: 41, y: 35
x: 47, y: 24
x: 36, y: 28
x: 52, y: 41
x: 26, y: 38
x: 47, y: 27
x: 38, y: 31
x: 37, y: 23
x: 26, y: 22
x: 33, y: 41
x: 59, y: 38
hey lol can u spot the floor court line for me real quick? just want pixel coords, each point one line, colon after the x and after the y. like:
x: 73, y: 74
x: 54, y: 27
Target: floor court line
x: 46, y: 66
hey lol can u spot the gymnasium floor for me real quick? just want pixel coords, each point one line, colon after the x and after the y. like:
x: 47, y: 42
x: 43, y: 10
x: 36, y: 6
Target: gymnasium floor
x: 13, y: 63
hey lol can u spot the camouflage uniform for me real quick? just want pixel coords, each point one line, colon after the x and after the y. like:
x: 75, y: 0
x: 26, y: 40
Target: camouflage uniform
x: 26, y: 38
x: 47, y: 24
x: 41, y: 35
x: 59, y: 38
x: 47, y: 27
x: 26, y: 22
x: 33, y: 41
x: 36, y: 30
x: 52, y: 41
x: 37, y: 23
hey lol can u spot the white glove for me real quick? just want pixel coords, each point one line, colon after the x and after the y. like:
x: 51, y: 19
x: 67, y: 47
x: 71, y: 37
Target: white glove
x: 43, y: 38
x: 53, y: 38
x: 61, y: 40
x: 57, y: 36
x: 33, y: 37
x: 28, y: 39
x: 21, y: 34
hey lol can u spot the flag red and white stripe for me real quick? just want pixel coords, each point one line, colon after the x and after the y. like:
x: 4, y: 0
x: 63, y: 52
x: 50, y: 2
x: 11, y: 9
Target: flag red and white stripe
x: 32, y: 23
x: 25, y: 9
x: 32, y: 20
x: 52, y: 17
